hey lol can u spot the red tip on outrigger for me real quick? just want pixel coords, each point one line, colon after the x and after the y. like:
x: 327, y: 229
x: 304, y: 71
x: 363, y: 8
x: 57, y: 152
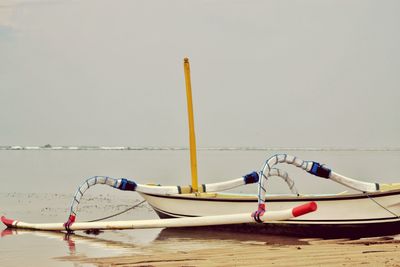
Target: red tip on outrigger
x: 304, y: 209
x: 7, y: 222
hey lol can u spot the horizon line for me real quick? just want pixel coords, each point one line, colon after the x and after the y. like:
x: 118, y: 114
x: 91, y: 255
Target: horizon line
x: 183, y: 148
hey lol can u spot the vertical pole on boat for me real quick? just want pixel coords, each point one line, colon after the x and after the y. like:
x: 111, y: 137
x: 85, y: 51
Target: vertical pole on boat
x: 193, y: 159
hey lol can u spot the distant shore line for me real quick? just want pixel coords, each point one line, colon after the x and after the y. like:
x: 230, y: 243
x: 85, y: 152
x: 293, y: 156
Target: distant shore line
x: 165, y: 148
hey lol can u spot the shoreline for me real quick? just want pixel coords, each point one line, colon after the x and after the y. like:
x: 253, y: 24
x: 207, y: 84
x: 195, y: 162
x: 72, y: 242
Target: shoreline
x: 378, y: 251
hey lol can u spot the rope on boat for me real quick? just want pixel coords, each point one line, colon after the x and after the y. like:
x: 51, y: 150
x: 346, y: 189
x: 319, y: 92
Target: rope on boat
x: 383, y: 207
x: 119, y: 213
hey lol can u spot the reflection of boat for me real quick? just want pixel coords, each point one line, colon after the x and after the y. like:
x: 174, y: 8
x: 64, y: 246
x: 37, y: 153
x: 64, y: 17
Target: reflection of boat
x: 72, y: 239
x: 209, y: 234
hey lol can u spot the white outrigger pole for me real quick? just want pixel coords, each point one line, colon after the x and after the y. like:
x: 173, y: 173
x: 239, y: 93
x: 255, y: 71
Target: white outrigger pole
x: 161, y: 223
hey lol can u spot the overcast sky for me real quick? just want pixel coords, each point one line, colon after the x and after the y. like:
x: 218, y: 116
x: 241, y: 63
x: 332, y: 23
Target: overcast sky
x: 264, y: 73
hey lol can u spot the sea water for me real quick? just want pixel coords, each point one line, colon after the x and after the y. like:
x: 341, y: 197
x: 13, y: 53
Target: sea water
x: 37, y: 185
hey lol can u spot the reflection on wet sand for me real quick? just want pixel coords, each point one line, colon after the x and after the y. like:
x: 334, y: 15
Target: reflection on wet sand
x: 188, y: 235
x: 71, y: 239
x: 206, y: 234
x: 204, y: 247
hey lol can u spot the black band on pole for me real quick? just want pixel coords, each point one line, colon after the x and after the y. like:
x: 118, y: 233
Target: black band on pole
x: 127, y: 185
x: 251, y: 178
x: 377, y: 186
x: 320, y: 170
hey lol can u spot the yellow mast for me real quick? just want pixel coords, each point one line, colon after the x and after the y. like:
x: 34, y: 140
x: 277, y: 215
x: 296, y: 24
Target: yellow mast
x: 193, y: 159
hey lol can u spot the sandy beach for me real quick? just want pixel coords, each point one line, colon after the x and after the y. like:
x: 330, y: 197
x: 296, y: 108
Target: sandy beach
x: 183, y: 247
x: 380, y: 251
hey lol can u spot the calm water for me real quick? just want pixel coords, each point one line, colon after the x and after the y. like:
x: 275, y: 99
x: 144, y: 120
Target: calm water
x: 38, y: 185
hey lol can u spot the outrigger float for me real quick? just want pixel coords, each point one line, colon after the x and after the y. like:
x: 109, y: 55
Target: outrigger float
x: 373, y: 211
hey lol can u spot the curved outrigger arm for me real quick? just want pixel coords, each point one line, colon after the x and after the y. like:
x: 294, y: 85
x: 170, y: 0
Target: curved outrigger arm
x: 316, y: 169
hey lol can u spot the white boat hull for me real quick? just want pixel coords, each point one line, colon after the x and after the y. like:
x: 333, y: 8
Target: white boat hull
x: 337, y: 215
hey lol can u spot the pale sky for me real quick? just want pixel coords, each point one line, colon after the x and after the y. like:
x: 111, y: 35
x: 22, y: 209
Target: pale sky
x: 264, y: 73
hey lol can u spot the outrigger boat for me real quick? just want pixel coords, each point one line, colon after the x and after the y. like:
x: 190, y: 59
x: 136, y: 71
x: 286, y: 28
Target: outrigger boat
x: 373, y: 211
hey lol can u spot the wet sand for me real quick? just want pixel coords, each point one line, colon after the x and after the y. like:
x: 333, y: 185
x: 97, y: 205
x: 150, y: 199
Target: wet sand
x: 314, y: 252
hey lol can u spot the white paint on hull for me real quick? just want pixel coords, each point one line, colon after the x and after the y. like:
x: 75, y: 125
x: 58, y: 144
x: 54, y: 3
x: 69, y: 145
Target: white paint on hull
x: 335, y: 209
